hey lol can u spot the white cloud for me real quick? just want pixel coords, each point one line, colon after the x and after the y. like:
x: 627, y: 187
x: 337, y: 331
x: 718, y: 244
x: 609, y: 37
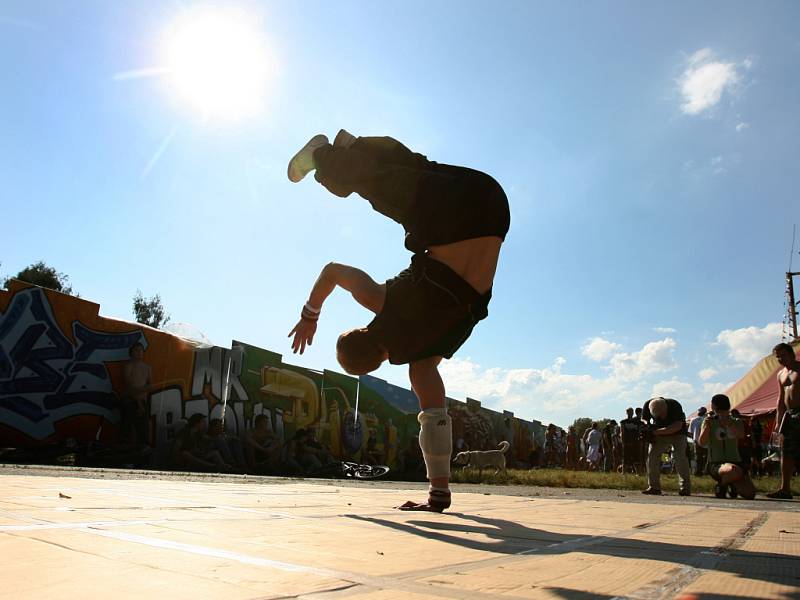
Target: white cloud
x: 673, y: 388
x: 665, y: 329
x: 742, y: 126
x: 707, y: 374
x: 705, y: 80
x: 716, y: 160
x: 599, y: 349
x: 749, y: 344
x: 715, y: 387
x: 655, y: 357
x: 546, y: 394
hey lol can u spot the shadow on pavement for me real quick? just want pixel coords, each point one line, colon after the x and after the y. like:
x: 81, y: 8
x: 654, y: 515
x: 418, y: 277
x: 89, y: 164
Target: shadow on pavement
x: 508, y: 537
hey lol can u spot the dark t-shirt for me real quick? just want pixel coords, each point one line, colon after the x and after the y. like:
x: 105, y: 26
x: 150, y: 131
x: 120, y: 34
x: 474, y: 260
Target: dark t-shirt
x: 674, y: 413
x: 631, y: 428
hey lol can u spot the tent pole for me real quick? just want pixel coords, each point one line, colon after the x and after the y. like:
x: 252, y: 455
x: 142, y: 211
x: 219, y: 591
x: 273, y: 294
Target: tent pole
x: 792, y: 305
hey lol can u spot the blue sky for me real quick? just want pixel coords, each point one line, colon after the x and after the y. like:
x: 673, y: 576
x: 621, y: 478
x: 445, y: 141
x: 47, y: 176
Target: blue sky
x: 648, y: 152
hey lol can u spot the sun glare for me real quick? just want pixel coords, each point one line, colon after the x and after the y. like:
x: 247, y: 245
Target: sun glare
x: 218, y: 62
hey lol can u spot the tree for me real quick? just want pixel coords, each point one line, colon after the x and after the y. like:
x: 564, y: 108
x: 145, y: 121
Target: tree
x: 581, y: 425
x: 47, y: 277
x: 149, y: 311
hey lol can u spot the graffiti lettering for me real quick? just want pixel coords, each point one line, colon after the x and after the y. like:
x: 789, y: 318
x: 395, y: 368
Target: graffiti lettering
x: 44, y: 377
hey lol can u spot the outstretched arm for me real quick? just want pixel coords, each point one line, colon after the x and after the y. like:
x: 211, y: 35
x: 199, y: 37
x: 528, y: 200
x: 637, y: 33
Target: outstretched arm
x: 364, y: 289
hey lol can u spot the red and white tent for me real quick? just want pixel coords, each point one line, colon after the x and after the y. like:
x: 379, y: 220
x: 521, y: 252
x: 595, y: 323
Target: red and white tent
x: 757, y: 392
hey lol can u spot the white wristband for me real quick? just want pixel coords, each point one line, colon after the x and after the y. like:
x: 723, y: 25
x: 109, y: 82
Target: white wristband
x: 311, y: 309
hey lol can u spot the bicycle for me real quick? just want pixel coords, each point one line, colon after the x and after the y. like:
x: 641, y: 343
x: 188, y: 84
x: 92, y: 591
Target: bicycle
x: 349, y: 470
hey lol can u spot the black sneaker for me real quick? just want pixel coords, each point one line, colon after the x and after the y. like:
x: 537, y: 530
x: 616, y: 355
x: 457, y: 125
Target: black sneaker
x: 684, y: 493
x: 720, y: 490
x: 732, y: 493
x: 651, y: 492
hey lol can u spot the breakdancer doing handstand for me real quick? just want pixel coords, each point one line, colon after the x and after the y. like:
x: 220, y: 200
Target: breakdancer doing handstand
x: 455, y: 220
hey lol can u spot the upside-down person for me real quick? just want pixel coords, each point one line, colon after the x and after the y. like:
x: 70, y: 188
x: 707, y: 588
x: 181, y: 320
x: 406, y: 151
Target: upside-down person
x: 455, y: 220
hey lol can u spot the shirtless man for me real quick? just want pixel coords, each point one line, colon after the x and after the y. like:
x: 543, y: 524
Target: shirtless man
x: 787, y: 419
x: 455, y: 221
x: 137, y: 377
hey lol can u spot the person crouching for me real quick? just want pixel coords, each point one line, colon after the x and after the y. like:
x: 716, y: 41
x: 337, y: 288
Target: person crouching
x: 720, y: 434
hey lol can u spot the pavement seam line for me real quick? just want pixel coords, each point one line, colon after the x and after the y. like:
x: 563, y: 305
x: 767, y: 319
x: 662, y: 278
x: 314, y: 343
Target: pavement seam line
x: 380, y: 582
x: 704, y: 561
x: 573, y: 544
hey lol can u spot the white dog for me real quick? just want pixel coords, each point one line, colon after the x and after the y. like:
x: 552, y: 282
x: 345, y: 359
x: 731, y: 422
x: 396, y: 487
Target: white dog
x: 484, y: 458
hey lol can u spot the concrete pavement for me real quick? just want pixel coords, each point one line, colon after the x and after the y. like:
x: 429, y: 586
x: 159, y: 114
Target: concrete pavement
x: 76, y: 537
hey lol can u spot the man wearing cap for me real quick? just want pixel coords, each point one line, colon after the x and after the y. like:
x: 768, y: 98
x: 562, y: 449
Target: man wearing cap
x: 668, y: 431
x: 700, y: 453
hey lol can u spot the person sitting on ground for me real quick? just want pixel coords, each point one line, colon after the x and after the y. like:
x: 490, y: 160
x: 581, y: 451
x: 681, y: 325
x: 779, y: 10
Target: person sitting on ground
x: 372, y: 455
x: 314, y: 447
x: 720, y: 434
x: 787, y: 417
x: 192, y: 450
x: 411, y: 460
x: 229, y: 446
x: 299, y: 457
x: 263, y: 448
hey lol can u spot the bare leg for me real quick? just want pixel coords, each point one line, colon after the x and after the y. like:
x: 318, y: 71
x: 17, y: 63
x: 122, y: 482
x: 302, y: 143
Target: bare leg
x: 730, y: 474
x: 428, y: 386
x: 787, y: 470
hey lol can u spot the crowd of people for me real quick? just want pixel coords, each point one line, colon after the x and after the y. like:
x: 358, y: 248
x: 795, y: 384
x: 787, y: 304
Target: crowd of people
x: 719, y: 442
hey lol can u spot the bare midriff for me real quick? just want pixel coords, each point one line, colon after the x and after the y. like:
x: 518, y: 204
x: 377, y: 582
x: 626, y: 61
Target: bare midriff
x: 475, y: 260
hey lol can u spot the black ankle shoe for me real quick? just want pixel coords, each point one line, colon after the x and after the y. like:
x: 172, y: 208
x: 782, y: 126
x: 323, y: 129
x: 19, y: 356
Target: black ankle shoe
x: 720, y: 490
x: 732, y: 493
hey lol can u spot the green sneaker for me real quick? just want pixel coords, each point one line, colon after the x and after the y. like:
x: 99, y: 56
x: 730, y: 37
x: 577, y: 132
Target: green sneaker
x: 302, y: 163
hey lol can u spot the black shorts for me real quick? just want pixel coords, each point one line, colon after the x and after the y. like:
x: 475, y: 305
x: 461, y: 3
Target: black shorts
x: 790, y: 429
x: 454, y: 204
x: 435, y: 203
x: 429, y: 311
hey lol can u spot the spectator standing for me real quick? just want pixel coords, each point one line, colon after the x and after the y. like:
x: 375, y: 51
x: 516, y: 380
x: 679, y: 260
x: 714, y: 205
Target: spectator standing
x: 571, y: 458
x: 745, y: 442
x: 137, y: 377
x: 593, y: 439
x: 608, y: 446
x: 787, y: 418
x: 700, y: 453
x: 631, y: 433
x: 667, y: 431
x: 757, y: 438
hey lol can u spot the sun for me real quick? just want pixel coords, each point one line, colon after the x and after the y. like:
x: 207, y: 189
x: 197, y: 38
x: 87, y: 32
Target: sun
x: 217, y: 62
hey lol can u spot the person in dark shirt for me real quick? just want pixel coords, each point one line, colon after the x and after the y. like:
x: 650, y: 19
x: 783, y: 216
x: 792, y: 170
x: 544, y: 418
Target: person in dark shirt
x: 667, y: 428
x: 631, y: 430
x: 608, y: 445
x: 455, y: 221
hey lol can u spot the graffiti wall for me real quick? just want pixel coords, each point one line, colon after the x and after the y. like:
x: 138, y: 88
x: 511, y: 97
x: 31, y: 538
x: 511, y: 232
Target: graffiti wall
x: 67, y: 373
